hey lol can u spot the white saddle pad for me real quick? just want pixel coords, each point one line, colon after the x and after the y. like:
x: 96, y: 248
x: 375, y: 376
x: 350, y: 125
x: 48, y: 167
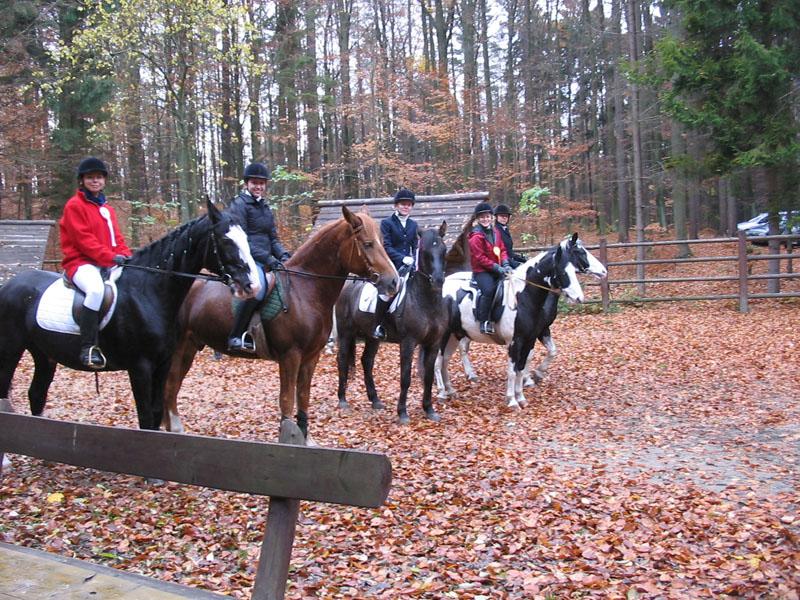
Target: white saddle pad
x: 369, y: 297
x: 55, y: 308
x: 462, y: 281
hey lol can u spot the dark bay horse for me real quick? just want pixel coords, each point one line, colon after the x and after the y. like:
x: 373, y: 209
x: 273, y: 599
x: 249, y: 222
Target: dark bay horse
x: 312, y: 281
x: 421, y: 319
x: 141, y: 334
x: 553, y: 269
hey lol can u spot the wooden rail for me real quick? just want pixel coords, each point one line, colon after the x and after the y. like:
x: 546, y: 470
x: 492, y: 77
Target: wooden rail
x: 743, y: 262
x: 287, y: 472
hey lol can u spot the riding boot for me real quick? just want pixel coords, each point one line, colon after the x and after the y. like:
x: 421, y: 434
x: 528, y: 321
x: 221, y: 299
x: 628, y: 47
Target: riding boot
x: 484, y: 308
x: 381, y: 306
x: 240, y: 339
x: 91, y: 356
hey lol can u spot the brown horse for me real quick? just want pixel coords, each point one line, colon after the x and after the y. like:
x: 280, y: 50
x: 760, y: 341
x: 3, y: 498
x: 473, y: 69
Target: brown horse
x: 311, y: 284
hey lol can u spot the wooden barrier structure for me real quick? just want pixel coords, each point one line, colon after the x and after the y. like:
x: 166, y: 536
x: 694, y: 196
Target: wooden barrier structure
x: 741, y: 274
x: 429, y: 211
x: 22, y: 246
x: 287, y: 472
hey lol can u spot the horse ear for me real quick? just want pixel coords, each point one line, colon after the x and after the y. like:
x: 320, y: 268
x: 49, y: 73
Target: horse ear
x: 558, y: 254
x: 443, y: 229
x: 213, y: 211
x: 350, y: 217
x: 365, y: 209
x: 574, y: 238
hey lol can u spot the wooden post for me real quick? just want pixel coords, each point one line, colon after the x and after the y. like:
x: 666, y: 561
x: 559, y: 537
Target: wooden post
x: 5, y: 406
x: 276, y: 549
x: 742, y: 254
x: 604, y: 282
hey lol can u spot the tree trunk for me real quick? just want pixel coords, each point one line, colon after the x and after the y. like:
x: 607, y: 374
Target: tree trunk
x: 310, y: 99
x: 620, y: 155
x: 638, y: 195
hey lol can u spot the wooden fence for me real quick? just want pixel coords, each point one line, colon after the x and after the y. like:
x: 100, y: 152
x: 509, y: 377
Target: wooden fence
x: 739, y: 271
x: 287, y: 472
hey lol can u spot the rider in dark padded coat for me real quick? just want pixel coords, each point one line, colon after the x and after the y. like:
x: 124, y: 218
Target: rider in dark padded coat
x: 268, y: 252
x: 489, y: 262
x: 399, y: 232
x: 502, y: 215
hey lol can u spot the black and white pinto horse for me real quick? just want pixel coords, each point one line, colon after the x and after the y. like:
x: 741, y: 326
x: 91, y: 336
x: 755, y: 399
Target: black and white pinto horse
x: 420, y: 319
x: 585, y: 262
x: 522, y: 313
x: 140, y: 334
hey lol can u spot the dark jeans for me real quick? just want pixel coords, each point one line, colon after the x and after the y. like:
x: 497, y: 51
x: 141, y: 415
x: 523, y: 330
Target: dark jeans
x: 487, y: 283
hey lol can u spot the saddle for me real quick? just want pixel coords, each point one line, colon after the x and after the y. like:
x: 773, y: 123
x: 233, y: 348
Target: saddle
x: 497, y: 301
x: 77, y: 302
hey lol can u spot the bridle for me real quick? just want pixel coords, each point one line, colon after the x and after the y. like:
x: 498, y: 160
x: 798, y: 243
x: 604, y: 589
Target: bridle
x: 357, y: 246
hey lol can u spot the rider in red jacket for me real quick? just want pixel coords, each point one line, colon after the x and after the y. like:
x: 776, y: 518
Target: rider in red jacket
x: 489, y: 261
x: 90, y: 239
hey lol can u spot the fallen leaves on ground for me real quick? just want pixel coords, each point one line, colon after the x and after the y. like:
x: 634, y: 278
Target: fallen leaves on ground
x: 658, y: 459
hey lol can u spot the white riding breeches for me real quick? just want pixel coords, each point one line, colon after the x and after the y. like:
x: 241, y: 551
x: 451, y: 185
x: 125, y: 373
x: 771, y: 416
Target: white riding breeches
x: 89, y: 280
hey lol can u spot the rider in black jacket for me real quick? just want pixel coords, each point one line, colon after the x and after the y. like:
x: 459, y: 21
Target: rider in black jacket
x: 268, y: 252
x: 502, y: 214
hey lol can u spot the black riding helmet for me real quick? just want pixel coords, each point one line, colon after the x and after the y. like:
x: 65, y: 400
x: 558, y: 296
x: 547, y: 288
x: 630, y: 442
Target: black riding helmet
x: 502, y: 209
x: 255, y: 170
x: 482, y: 207
x: 91, y: 165
x: 404, y: 194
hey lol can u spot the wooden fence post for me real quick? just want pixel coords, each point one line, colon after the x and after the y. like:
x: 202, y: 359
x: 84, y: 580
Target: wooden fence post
x: 604, y: 292
x: 276, y: 549
x: 742, y: 255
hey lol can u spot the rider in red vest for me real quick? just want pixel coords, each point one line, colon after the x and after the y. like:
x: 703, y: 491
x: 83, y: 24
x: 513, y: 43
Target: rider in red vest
x: 489, y: 262
x: 90, y: 240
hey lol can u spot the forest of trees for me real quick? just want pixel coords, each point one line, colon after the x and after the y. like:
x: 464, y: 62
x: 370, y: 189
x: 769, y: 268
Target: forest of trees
x: 683, y: 113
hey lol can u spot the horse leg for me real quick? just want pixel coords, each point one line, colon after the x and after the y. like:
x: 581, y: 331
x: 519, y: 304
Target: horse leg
x: 289, y: 368
x: 511, y: 379
x: 446, y: 389
x: 427, y: 360
x: 9, y: 359
x: 141, y: 378
x: 540, y: 371
x: 367, y: 363
x: 406, y: 358
x: 469, y: 371
x: 344, y: 358
x: 44, y: 370
x: 179, y: 366
x: 304, y: 378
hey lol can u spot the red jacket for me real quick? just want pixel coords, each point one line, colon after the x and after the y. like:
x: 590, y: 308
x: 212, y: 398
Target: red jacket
x: 87, y: 237
x: 482, y: 252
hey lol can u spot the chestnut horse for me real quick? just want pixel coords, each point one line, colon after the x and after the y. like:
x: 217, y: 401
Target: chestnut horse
x: 311, y: 283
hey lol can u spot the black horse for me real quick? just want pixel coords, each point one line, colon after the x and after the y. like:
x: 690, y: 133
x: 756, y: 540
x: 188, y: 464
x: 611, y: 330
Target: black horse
x: 140, y: 336
x: 421, y: 319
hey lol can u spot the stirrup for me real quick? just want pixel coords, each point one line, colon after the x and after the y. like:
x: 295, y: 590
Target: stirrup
x: 379, y: 333
x: 93, y: 358
x: 246, y: 343
x: 487, y: 327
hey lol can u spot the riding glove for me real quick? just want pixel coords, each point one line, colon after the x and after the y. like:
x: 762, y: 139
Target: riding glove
x: 273, y: 264
x: 120, y: 259
x: 408, y: 261
x: 508, y: 269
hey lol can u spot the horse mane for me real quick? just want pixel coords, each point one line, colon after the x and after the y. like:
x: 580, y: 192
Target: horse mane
x: 173, y: 244
x: 457, y: 257
x: 310, y: 244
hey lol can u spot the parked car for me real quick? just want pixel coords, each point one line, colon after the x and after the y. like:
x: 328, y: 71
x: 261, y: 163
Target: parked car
x: 758, y: 226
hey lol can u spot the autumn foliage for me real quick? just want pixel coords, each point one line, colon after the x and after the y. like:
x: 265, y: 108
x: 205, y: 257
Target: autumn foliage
x: 657, y: 460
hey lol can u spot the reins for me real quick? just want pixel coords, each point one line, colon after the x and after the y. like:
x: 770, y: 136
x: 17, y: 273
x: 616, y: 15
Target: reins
x: 226, y: 279
x: 547, y: 289
x: 320, y: 276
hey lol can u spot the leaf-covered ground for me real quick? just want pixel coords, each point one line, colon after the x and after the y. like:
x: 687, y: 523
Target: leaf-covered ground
x: 659, y: 459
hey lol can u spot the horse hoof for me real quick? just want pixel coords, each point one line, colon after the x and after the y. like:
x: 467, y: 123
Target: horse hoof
x: 512, y: 403
x: 433, y: 416
x: 310, y: 442
x: 378, y: 405
x: 6, y: 463
x: 403, y: 420
x: 537, y: 378
x: 472, y: 378
x: 343, y: 405
x: 153, y: 481
x: 522, y: 402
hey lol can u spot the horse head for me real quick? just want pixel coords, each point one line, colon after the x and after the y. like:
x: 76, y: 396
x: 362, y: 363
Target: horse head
x: 431, y: 256
x: 584, y: 261
x: 559, y: 272
x: 231, y: 251
x: 363, y: 254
